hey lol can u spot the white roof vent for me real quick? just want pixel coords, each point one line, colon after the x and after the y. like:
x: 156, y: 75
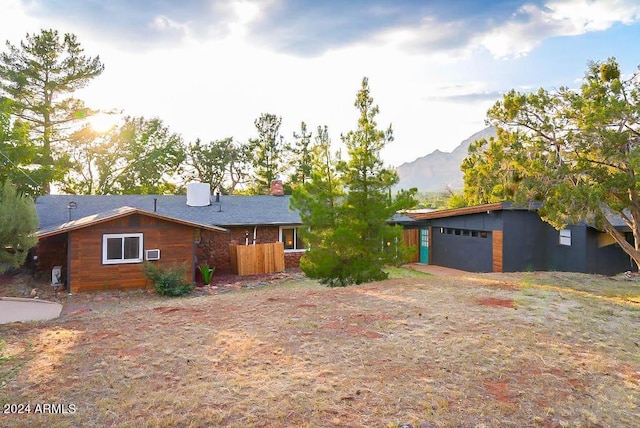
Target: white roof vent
x: 198, y: 194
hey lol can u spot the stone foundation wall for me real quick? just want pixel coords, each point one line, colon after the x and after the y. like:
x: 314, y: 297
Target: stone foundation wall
x: 292, y: 259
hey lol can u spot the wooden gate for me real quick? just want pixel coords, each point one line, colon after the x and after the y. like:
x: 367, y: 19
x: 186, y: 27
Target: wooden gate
x: 257, y: 259
x: 410, y: 239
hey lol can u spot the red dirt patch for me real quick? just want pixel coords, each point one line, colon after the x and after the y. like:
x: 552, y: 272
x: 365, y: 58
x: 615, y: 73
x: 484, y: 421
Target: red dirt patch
x: 334, y: 324
x: 372, y: 335
x: 499, y: 389
x: 306, y: 305
x: 128, y: 353
x: 80, y: 311
x: 496, y: 302
x: 360, y: 331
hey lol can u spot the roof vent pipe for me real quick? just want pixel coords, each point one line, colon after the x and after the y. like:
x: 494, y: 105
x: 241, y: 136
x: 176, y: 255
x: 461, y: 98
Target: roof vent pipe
x: 218, y: 196
x: 155, y: 204
x: 71, y: 206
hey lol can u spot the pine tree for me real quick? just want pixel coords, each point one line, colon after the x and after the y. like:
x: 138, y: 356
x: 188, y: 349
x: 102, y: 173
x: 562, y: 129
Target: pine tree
x: 38, y: 76
x: 363, y: 231
x: 317, y: 201
x: 18, y: 225
x: 267, y: 152
x: 349, y: 238
x: 301, y: 156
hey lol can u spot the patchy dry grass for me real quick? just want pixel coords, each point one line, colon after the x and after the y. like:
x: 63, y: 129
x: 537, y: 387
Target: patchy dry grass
x: 403, y: 272
x: 483, y: 350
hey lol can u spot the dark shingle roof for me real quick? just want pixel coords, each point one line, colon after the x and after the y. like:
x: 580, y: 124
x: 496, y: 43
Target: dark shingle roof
x: 400, y: 218
x: 112, y: 215
x: 230, y: 211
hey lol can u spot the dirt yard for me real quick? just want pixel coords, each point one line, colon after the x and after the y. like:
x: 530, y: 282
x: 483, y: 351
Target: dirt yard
x: 510, y: 350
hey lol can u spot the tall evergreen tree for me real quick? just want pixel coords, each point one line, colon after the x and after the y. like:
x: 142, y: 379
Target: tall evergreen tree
x: 18, y: 226
x: 317, y: 201
x: 350, y: 239
x: 40, y: 77
x: 363, y: 230
x: 267, y: 152
x: 300, y: 153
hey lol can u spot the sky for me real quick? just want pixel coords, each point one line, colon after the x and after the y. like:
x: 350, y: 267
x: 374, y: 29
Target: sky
x: 209, y: 68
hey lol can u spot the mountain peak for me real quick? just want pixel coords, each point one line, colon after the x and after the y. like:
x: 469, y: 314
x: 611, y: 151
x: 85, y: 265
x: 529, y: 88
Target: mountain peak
x: 438, y: 170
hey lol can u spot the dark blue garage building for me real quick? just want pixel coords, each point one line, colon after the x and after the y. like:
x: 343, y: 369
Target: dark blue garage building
x: 502, y: 238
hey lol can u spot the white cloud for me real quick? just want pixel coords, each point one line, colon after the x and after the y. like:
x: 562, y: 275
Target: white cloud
x: 163, y: 23
x: 243, y: 13
x: 444, y: 41
x: 585, y: 15
x: 531, y: 24
x: 246, y: 11
x: 15, y: 21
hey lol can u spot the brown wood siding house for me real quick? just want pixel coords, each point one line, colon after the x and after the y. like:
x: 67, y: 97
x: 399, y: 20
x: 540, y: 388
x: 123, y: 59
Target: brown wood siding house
x: 81, y: 248
x: 100, y: 241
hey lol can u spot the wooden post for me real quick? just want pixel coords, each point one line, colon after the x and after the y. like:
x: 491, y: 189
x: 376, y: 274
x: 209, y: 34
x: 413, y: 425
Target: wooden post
x: 497, y: 250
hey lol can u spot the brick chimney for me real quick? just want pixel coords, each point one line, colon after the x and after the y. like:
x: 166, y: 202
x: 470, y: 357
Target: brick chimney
x: 277, y: 188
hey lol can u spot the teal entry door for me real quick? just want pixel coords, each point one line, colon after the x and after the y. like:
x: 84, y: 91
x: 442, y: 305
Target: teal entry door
x: 424, y: 246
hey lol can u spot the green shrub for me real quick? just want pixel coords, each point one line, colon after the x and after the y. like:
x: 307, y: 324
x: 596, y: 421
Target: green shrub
x: 333, y: 271
x: 167, y: 281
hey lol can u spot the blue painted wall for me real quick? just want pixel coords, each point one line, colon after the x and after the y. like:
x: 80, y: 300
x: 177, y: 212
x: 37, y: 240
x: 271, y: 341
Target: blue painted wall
x: 608, y: 260
x: 529, y: 244
x: 464, y: 251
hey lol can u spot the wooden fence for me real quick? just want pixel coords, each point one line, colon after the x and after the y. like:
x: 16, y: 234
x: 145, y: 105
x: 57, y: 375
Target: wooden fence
x: 257, y: 259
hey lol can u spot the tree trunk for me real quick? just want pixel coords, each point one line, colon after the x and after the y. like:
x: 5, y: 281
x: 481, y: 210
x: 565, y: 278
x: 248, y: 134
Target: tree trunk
x: 631, y: 250
x: 47, y: 160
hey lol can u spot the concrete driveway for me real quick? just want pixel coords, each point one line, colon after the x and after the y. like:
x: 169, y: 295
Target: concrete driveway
x: 14, y: 309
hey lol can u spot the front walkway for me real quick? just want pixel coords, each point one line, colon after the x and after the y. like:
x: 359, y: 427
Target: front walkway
x: 436, y: 270
x: 14, y: 309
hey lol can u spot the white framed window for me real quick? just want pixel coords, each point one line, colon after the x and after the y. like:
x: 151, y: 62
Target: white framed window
x: 119, y: 248
x: 289, y: 237
x: 565, y: 237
